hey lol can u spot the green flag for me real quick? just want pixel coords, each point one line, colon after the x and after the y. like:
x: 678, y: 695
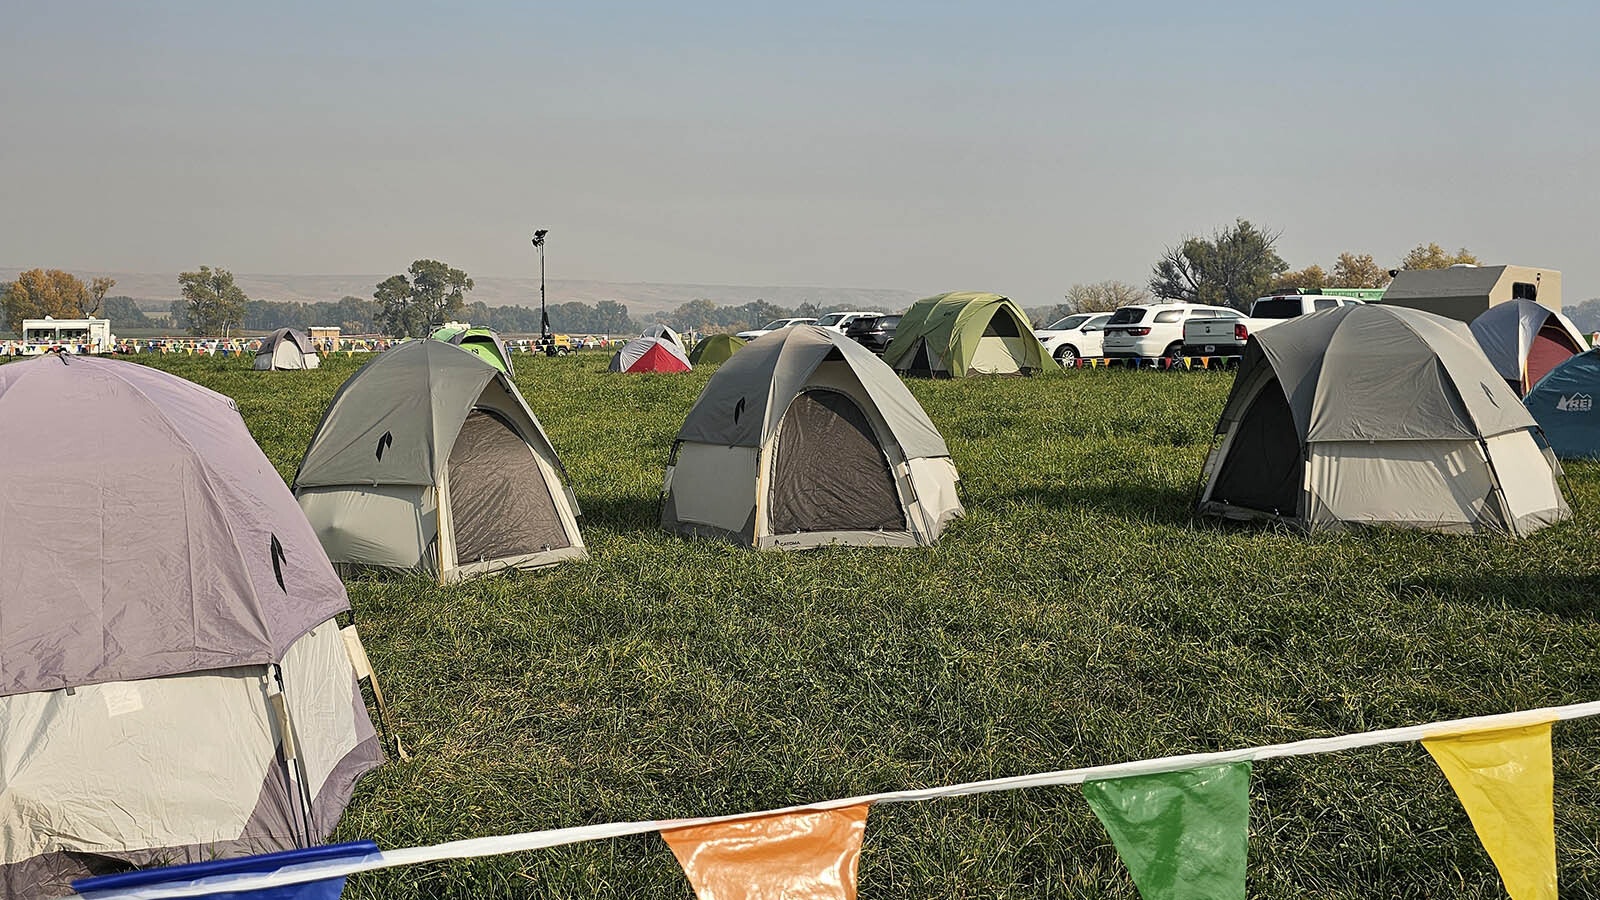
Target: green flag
x: 1183, y: 835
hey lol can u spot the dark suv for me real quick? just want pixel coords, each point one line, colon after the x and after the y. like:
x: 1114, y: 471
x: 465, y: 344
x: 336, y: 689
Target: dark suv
x: 872, y: 332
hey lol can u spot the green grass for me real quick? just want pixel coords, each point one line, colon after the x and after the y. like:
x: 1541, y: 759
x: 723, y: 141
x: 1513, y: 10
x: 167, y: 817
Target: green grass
x: 1077, y: 616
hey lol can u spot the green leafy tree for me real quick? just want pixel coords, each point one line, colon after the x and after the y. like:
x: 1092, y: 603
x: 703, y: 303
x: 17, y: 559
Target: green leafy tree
x: 213, y: 305
x: 43, y: 292
x: 1433, y: 256
x: 432, y: 293
x: 1232, y: 267
x: 125, y: 313
x: 1104, y: 296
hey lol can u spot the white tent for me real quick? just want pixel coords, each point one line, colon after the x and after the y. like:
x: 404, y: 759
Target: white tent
x: 287, y: 348
x: 835, y: 448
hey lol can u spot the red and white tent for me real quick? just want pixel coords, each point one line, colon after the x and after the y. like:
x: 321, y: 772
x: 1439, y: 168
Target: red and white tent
x: 648, y: 354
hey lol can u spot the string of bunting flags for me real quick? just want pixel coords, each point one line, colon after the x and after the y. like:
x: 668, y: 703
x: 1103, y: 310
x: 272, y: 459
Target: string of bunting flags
x: 1162, y: 362
x: 1179, y: 823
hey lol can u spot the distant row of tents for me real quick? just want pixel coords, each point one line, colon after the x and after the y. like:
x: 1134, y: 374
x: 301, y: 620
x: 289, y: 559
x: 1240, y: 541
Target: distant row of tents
x: 949, y: 335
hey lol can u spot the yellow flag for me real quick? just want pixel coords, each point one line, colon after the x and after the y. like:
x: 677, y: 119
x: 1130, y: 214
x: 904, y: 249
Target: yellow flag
x: 796, y: 856
x: 1504, y: 781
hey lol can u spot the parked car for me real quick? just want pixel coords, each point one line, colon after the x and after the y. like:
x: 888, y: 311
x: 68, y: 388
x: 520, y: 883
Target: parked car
x: 1154, y: 330
x: 774, y: 325
x: 1074, y: 337
x: 873, y: 332
x: 838, y: 321
x: 1226, y: 336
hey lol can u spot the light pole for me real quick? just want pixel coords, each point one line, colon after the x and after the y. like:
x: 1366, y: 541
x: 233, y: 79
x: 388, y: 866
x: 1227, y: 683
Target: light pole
x: 544, y: 317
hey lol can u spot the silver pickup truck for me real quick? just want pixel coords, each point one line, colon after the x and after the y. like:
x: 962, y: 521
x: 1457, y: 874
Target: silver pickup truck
x: 1227, y: 337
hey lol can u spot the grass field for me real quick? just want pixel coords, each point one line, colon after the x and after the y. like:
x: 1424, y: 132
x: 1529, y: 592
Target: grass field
x: 1077, y: 616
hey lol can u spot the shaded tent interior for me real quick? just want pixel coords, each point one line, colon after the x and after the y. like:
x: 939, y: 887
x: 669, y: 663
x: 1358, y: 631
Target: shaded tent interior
x: 1266, y: 468
x: 500, y: 498
x: 826, y: 431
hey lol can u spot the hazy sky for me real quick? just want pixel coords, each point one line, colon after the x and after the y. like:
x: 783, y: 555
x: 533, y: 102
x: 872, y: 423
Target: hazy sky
x: 1008, y: 146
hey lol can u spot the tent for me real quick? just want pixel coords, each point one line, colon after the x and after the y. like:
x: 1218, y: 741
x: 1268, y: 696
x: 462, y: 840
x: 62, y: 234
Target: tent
x: 965, y: 333
x: 1525, y: 340
x: 1562, y: 402
x: 1377, y: 415
x: 484, y: 342
x: 429, y: 459
x: 287, y: 348
x: 174, y: 687
x: 648, y: 354
x: 717, y: 348
x: 664, y: 333
x: 836, y: 449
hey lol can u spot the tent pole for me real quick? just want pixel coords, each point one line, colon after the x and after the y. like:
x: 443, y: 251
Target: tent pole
x: 298, y: 781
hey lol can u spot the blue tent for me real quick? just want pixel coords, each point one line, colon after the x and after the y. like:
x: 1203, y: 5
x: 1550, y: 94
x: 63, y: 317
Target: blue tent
x: 1563, y: 405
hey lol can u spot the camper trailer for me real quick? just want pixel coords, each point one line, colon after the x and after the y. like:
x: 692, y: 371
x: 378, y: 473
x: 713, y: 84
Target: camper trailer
x: 1464, y: 292
x: 70, y: 335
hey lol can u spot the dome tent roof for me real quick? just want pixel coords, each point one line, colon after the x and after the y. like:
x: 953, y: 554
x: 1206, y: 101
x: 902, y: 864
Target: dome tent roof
x: 143, y: 533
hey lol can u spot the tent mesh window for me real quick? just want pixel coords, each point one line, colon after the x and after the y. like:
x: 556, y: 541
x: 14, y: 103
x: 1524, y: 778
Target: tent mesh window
x: 1001, y: 325
x: 1264, y: 467
x: 500, y: 503
x: 830, y: 473
x: 920, y: 363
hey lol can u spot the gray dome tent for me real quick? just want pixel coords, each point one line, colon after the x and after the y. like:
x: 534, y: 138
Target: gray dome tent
x: 837, y: 451
x: 287, y: 348
x: 665, y: 333
x: 1377, y: 415
x: 1526, y: 341
x: 428, y: 458
x: 172, y: 684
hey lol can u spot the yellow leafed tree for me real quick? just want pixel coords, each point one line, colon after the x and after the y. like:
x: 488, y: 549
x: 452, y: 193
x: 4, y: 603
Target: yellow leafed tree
x: 45, y: 292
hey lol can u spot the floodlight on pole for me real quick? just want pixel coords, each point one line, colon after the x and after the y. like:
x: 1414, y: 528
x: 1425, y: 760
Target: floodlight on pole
x: 544, y: 317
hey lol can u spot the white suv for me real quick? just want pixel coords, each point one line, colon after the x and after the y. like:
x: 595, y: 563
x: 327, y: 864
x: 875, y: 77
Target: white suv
x: 1075, y: 337
x: 836, y: 321
x: 774, y: 325
x: 1156, y: 330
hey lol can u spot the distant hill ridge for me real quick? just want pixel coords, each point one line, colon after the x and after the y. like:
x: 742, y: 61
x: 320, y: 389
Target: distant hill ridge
x: 154, y: 291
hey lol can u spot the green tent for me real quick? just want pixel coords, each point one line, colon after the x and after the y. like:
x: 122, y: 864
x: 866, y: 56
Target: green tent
x: 715, y: 349
x: 483, y: 342
x: 965, y: 333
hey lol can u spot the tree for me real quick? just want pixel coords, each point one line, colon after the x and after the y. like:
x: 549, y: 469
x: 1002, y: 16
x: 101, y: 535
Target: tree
x: 125, y: 313
x: 96, y: 295
x: 1433, y: 256
x: 1311, y: 278
x: 1233, y: 267
x: 1352, y: 271
x: 213, y: 306
x: 433, y: 293
x: 1104, y: 296
x: 43, y: 292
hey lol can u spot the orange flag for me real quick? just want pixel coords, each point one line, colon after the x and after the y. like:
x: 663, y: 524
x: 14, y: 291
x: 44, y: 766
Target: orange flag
x: 808, y: 855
